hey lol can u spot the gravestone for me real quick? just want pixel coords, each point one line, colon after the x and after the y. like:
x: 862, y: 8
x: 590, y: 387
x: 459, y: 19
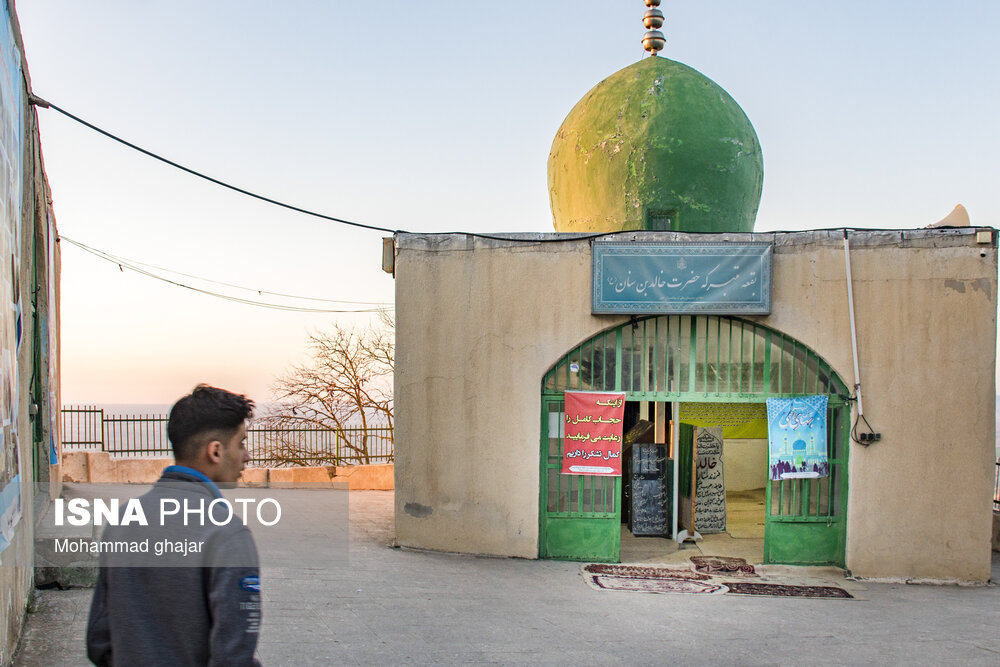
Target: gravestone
x: 710, y: 489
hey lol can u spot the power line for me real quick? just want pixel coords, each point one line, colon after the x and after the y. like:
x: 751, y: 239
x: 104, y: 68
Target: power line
x: 37, y: 101
x: 48, y: 105
x: 567, y: 238
x: 117, y: 259
x: 137, y: 267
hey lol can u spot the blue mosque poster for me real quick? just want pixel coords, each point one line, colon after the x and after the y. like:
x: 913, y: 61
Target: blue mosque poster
x: 796, y: 436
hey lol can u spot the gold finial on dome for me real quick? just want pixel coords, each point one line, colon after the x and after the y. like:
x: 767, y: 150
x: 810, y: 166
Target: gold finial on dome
x: 653, y: 41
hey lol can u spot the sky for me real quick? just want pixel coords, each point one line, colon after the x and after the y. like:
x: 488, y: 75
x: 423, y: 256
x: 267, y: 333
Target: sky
x: 432, y: 116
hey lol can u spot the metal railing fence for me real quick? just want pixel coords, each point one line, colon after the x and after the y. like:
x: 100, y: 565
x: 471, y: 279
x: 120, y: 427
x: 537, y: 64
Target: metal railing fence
x: 89, y: 428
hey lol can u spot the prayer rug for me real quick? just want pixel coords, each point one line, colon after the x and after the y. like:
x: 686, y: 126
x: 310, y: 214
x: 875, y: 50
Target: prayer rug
x: 674, y: 578
x: 785, y: 590
x: 647, y: 572
x: 730, y: 567
x: 611, y: 582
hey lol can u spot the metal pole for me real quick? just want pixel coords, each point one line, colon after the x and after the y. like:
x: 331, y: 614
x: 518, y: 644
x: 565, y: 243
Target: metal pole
x: 854, y: 335
x: 675, y: 438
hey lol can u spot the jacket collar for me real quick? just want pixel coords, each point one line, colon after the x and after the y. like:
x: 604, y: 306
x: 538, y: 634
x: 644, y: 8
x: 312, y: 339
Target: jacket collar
x: 184, y: 471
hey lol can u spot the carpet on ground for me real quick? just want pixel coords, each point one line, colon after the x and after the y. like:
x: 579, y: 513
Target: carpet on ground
x: 705, y: 575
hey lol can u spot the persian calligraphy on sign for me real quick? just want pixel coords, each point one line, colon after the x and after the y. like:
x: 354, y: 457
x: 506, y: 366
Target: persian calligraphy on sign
x: 796, y: 437
x: 722, y: 278
x: 592, y: 441
x: 738, y: 420
x: 710, y: 492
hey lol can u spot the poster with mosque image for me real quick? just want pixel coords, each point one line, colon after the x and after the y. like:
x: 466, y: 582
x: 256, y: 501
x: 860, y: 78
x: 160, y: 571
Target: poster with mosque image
x: 796, y: 437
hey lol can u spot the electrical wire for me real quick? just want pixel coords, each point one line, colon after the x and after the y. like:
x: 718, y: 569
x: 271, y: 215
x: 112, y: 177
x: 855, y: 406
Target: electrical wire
x: 119, y: 259
x: 857, y: 422
x: 39, y: 102
x: 854, y: 430
x: 123, y: 264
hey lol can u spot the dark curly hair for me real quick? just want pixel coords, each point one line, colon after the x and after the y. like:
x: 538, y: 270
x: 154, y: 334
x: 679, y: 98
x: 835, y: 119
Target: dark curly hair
x: 206, y: 414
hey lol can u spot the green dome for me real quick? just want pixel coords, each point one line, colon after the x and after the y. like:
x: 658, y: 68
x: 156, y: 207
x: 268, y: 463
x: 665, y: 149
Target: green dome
x: 656, y: 141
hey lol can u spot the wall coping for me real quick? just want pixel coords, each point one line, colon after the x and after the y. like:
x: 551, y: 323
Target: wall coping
x: 101, y: 468
x: 937, y: 236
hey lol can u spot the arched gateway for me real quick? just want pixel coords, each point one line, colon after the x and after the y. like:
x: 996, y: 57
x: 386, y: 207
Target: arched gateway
x: 693, y: 359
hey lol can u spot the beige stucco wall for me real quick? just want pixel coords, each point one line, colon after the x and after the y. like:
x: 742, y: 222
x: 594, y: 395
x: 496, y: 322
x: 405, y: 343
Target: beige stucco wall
x: 477, y: 324
x: 919, y: 501
x: 375, y: 477
x: 480, y: 321
x: 745, y: 463
x: 99, y: 467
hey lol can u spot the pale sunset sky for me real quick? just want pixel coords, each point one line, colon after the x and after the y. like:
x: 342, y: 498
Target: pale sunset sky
x: 438, y: 116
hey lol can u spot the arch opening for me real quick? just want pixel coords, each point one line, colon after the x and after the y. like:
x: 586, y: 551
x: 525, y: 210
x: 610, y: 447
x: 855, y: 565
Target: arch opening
x: 670, y: 366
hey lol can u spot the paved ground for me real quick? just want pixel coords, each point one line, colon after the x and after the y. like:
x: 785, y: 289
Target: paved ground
x: 394, y: 606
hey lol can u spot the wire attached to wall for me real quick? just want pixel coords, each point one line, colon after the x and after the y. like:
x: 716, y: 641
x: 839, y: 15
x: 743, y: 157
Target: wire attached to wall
x: 863, y: 439
x: 855, y: 436
x: 138, y: 267
x: 39, y: 102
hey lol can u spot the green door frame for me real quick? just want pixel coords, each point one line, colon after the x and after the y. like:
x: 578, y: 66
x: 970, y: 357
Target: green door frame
x: 693, y: 359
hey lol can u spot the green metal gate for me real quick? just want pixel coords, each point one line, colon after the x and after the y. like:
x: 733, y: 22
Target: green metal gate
x: 583, y: 513
x: 805, y: 518
x: 692, y: 359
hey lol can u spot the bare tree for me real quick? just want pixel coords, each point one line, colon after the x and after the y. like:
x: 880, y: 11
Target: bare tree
x: 345, y: 387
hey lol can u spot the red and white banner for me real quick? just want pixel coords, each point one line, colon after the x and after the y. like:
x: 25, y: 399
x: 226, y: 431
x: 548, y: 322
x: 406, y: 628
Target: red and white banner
x: 592, y: 443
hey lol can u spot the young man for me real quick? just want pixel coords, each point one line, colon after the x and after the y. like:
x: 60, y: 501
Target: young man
x: 185, y: 607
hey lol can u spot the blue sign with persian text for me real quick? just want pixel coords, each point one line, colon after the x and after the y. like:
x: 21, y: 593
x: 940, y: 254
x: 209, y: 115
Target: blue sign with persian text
x: 700, y: 278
